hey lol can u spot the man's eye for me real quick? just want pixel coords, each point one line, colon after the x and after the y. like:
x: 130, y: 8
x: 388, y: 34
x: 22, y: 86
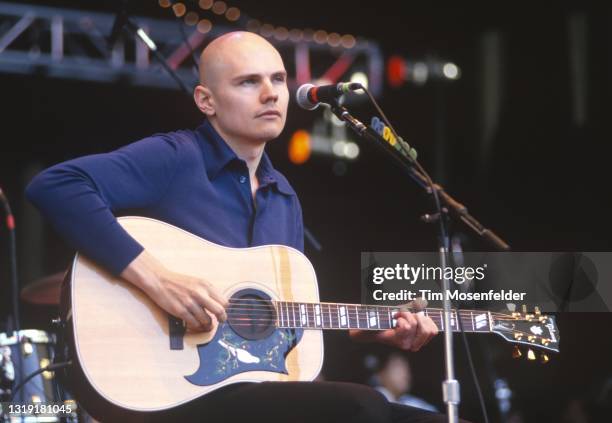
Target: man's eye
x: 279, y: 78
x: 249, y: 81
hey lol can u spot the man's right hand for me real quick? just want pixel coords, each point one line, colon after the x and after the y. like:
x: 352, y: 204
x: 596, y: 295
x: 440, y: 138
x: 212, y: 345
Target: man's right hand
x: 191, y: 299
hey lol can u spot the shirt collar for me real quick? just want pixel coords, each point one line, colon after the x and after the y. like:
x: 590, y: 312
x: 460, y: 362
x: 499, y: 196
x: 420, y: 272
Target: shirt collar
x: 217, y: 154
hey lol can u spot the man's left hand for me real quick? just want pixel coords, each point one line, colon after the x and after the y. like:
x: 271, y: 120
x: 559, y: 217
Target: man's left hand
x: 412, y: 331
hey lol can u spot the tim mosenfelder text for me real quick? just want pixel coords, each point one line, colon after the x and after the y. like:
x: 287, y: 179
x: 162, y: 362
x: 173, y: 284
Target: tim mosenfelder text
x: 459, y: 275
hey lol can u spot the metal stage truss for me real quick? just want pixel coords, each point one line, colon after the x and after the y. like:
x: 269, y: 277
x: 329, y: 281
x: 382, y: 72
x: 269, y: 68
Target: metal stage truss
x: 67, y: 43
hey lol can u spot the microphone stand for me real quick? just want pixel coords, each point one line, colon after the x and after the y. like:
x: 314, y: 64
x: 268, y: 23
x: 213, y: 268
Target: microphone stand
x: 450, y: 386
x: 123, y: 21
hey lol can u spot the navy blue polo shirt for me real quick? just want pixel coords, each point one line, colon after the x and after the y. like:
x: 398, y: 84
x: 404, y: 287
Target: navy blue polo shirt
x: 190, y: 179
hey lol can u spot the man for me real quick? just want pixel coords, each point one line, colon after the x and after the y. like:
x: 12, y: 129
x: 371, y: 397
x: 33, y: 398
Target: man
x: 218, y: 183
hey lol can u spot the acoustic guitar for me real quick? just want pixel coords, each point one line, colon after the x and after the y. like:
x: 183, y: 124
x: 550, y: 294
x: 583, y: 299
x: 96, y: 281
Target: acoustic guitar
x: 129, y: 356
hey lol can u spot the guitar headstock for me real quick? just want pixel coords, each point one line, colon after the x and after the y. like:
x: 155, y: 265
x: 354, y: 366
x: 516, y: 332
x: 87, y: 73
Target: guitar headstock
x: 534, y: 330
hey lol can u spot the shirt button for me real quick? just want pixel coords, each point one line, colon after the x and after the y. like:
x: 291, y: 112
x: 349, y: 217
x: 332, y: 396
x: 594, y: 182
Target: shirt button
x: 242, y: 179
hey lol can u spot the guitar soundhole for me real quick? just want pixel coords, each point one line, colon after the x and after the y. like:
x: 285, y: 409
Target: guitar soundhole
x: 251, y: 314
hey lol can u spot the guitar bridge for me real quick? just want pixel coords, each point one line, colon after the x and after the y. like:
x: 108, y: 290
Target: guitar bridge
x: 176, y: 331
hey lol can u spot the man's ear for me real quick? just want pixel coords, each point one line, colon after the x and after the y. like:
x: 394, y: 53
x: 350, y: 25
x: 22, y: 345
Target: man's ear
x: 202, y: 98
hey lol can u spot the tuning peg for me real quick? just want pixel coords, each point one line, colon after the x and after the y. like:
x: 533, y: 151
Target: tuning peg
x: 516, y: 352
x: 524, y: 308
x: 537, y: 311
x: 544, y: 358
x: 530, y: 354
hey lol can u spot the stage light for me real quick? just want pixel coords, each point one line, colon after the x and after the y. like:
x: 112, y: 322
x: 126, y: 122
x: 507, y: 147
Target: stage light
x: 253, y: 25
x: 320, y: 36
x: 361, y: 78
x: 396, y: 71
x: 334, y: 39
x: 281, y: 33
x: 219, y: 7
x: 266, y: 30
x: 179, y: 9
x: 232, y: 14
x: 347, y: 41
x: 299, y: 147
x: 450, y: 70
x: 351, y: 150
x: 420, y: 73
x: 164, y: 3
x: 191, y: 18
x: 206, y: 4
x: 338, y: 148
x: 204, y: 26
x: 295, y: 35
x: 308, y: 34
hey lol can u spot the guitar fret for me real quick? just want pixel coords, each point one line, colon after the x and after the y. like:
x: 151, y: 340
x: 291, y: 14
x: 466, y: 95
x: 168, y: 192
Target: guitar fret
x: 303, y: 320
x: 342, y: 316
x: 311, y: 316
x: 394, y: 320
x: 285, y: 313
x: 331, y: 325
x: 279, y: 315
x: 318, y: 320
x: 323, y: 316
x: 348, y: 315
x: 480, y: 321
x: 293, y: 313
x: 364, y: 314
x: 369, y: 316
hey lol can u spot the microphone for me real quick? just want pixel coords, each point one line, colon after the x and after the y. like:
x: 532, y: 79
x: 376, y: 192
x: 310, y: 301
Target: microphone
x: 309, y: 96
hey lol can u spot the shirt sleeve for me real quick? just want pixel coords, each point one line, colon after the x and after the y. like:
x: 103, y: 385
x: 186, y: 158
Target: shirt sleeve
x: 79, y: 196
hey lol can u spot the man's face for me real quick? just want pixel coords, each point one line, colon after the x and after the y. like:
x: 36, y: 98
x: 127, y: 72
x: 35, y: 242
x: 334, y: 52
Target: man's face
x: 249, y: 92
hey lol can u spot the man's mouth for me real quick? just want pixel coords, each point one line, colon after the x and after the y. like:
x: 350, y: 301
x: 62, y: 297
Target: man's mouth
x: 270, y: 113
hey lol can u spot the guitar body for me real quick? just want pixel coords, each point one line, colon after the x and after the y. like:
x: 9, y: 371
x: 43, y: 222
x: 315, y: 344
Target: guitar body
x: 129, y: 358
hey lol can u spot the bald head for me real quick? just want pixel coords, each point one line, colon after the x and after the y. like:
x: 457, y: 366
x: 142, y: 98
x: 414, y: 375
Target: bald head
x: 243, y: 88
x: 229, y: 49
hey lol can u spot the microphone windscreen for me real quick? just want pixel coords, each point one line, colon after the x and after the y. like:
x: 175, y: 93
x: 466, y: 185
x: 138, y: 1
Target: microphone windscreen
x: 302, y: 99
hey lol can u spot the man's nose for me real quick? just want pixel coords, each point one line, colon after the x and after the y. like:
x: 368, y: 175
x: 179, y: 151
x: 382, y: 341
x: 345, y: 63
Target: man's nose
x: 268, y: 92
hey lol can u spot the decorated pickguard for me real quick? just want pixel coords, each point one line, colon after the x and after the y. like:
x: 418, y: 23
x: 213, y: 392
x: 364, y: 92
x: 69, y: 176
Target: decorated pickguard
x: 228, y: 354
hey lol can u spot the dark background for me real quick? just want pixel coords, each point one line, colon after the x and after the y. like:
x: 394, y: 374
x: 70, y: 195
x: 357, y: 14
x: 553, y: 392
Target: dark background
x: 544, y: 186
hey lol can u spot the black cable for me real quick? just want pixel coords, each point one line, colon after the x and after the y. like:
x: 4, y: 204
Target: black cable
x: 10, y: 224
x: 444, y: 236
x: 468, y: 354
x: 50, y: 368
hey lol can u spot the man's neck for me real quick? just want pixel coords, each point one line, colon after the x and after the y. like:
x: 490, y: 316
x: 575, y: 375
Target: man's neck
x: 249, y: 151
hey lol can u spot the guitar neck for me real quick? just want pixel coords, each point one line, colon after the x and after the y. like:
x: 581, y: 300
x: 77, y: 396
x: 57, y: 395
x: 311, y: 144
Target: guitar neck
x: 368, y: 317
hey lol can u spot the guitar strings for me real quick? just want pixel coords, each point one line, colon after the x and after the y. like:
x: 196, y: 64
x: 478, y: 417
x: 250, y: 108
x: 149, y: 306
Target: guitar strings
x: 267, y: 303
x: 275, y: 322
x: 384, y: 309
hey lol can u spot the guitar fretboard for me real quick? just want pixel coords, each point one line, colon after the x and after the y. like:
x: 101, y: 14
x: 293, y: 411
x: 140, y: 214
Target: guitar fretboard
x: 368, y: 317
